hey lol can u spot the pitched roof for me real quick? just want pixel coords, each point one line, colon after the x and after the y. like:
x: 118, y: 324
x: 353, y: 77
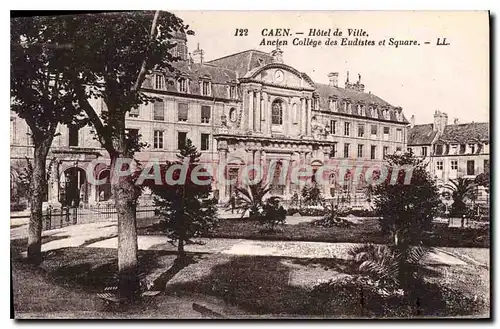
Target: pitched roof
x: 326, y: 91
x: 421, y: 134
x: 243, y: 62
x: 474, y: 132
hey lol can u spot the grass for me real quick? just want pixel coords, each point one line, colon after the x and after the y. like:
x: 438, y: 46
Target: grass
x: 364, y: 231
x: 249, y: 229
x: 247, y: 286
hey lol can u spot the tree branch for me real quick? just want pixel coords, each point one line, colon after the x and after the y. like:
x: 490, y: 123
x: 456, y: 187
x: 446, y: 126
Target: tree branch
x: 142, y: 72
x: 102, y: 132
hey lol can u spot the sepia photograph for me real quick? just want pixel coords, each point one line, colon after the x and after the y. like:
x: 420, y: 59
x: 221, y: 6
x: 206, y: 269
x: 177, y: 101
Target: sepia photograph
x: 250, y: 165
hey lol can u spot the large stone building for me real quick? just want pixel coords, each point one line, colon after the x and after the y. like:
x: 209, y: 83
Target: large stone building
x: 248, y: 107
x: 454, y: 150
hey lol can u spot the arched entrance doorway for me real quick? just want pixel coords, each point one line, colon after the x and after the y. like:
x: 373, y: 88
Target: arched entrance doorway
x: 74, y: 187
x: 104, y: 190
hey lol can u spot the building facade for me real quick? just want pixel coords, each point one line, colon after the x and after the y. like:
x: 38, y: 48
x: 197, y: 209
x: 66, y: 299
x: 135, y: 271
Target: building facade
x: 245, y: 108
x: 454, y: 150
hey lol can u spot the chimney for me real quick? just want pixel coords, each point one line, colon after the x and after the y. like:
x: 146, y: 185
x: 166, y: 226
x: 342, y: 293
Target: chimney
x: 412, y: 121
x: 277, y: 55
x: 198, y: 55
x: 333, y: 77
x: 440, y: 121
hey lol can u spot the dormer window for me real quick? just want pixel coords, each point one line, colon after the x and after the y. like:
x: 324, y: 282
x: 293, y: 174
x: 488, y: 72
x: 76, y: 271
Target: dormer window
x: 386, y: 115
x: 206, y: 88
x: 159, y: 82
x: 362, y: 110
x: 374, y: 112
x: 183, y: 85
x: 232, y: 92
x: 333, y: 105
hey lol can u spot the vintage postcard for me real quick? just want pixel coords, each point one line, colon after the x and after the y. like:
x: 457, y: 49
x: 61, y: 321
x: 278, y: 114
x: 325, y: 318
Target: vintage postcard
x: 250, y: 165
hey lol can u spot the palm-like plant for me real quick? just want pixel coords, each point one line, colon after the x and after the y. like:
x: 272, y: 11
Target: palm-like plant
x: 252, y: 198
x: 461, y: 189
x: 389, y: 268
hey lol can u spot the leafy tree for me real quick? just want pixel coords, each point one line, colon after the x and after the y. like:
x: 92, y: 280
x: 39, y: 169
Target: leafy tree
x: 186, y: 209
x: 311, y: 194
x: 483, y: 179
x: 41, y: 94
x: 461, y: 189
x: 406, y: 210
x: 111, y: 56
x: 252, y: 198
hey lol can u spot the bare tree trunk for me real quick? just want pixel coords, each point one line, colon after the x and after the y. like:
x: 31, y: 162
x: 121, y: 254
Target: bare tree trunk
x: 125, y: 202
x: 37, y: 186
x: 180, y: 249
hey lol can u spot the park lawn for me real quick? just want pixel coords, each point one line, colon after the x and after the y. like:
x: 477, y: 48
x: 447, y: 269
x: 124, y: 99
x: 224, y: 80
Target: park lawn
x: 367, y: 231
x: 246, y: 286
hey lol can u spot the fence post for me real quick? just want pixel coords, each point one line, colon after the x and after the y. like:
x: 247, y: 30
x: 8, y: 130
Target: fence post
x: 75, y: 216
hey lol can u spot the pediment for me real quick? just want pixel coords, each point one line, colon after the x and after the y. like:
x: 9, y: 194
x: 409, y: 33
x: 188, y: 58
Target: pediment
x: 281, y: 75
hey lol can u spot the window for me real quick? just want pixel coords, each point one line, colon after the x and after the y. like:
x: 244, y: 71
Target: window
x: 232, y: 92
x: 399, y: 135
x: 333, y: 105
x: 472, y: 148
x: 183, y: 86
x: 385, y: 151
x: 334, y: 151
x: 454, y: 149
x: 409, y: 150
x: 439, y: 149
x: 470, y: 167
x: 73, y: 135
x: 159, y: 81
x: 454, y: 164
x: 205, y: 114
x: 439, y: 165
x: 373, y: 152
x: 360, y: 151
x: 182, y: 112
x: 346, y: 150
x: 386, y: 133
x: 205, y: 88
x: 159, y: 111
x: 462, y: 148
x: 277, y: 113
x: 181, y: 139
x: 232, y: 114
x: 347, y: 128
x: 333, y: 126
x: 486, y: 166
x: 349, y: 108
x: 158, y: 139
x: 205, y: 142
x: 374, y: 131
x: 424, y: 151
x: 361, y: 130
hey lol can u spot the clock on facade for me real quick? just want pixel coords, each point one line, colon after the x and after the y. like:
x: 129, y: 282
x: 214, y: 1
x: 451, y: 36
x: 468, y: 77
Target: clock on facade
x: 279, y: 76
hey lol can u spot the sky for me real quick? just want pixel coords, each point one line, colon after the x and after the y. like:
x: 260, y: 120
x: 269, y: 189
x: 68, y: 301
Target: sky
x: 421, y: 79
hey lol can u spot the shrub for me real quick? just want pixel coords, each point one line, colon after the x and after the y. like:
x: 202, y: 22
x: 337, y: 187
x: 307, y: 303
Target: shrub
x: 311, y: 195
x: 273, y: 214
x: 292, y: 211
x: 359, y: 296
x: 332, y: 218
x: 309, y: 211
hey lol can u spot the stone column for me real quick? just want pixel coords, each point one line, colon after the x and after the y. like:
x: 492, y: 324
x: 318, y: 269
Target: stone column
x: 250, y: 110
x: 302, y: 116
x: 309, y: 114
x: 53, y: 191
x: 221, y: 172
